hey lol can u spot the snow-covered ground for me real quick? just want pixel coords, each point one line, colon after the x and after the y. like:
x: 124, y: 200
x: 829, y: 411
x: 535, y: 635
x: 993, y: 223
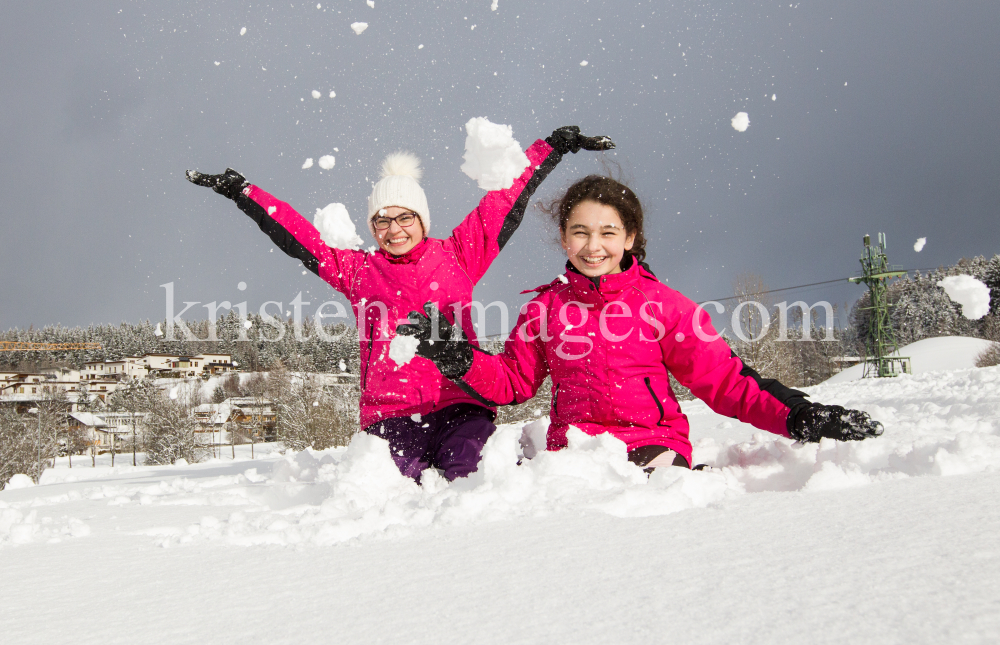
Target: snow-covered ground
x: 889, y: 540
x: 929, y: 355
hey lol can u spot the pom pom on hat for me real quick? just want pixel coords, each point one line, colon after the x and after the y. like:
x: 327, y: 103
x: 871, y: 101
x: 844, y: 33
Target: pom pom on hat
x: 402, y: 163
x: 399, y: 186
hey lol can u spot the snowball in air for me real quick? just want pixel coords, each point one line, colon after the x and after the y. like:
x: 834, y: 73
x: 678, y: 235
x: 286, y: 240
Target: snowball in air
x: 359, y: 27
x: 371, y: 3
x: 333, y: 94
x: 492, y: 156
x: 583, y: 63
x: 316, y: 94
x: 243, y: 31
x: 493, y: 7
x: 326, y: 162
x: 741, y: 121
x: 308, y: 163
x: 336, y: 228
x: 402, y: 349
x: 973, y: 295
x: 918, y: 246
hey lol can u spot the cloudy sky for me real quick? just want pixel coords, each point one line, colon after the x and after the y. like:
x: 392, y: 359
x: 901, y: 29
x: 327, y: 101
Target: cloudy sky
x: 864, y: 117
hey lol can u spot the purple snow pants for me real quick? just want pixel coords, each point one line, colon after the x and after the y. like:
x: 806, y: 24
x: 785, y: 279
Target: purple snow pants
x: 449, y: 439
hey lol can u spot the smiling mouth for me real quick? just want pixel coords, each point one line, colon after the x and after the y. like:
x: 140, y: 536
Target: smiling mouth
x: 396, y: 241
x: 593, y: 260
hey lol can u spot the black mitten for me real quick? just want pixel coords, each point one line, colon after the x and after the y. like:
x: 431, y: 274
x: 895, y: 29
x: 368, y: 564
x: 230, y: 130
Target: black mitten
x: 228, y: 184
x: 568, y: 139
x: 813, y: 421
x: 450, y: 351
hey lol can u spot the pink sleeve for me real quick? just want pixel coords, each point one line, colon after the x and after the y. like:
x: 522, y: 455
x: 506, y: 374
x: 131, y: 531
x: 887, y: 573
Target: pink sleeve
x: 709, y: 368
x: 298, y: 238
x: 483, y: 233
x: 515, y: 375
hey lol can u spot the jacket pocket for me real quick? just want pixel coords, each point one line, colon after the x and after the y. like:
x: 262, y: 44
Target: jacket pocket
x: 656, y: 400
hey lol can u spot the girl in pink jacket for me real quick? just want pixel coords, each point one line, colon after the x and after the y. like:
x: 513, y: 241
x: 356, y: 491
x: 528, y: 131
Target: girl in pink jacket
x: 427, y: 419
x: 609, y: 333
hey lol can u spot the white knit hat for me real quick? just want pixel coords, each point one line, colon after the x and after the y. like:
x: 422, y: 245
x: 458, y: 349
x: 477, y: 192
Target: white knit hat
x: 399, y: 187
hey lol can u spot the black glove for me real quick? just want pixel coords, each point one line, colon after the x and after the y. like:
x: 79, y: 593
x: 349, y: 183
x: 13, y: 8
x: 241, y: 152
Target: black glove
x: 228, y: 184
x: 452, y: 353
x: 568, y: 139
x: 813, y: 421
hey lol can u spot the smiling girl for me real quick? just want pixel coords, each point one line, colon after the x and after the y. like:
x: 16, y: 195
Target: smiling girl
x: 610, y: 334
x: 427, y: 420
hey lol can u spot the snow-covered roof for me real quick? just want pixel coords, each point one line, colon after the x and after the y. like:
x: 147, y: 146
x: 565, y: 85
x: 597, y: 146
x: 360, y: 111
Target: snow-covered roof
x: 89, y: 419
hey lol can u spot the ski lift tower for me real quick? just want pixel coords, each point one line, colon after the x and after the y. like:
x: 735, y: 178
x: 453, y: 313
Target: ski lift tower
x: 882, y: 356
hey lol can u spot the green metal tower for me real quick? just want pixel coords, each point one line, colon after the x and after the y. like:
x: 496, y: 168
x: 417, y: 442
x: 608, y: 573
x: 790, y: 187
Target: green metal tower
x: 882, y: 357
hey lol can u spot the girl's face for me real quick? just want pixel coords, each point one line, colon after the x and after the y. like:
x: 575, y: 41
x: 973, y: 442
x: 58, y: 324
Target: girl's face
x: 398, y: 239
x: 595, y: 239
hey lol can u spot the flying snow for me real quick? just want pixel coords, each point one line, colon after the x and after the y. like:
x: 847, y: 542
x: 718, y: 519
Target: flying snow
x: 333, y: 94
x: 741, y: 121
x: 493, y: 7
x: 918, y: 246
x: 584, y: 63
x: 402, y: 349
x: 370, y: 3
x: 774, y: 97
x: 308, y: 163
x: 316, y: 94
x: 492, y: 156
x: 243, y: 31
x: 973, y: 295
x: 326, y: 162
x: 336, y: 228
x: 359, y: 27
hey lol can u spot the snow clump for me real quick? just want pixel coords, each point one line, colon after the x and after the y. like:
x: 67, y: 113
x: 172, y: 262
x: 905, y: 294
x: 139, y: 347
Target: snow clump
x: 243, y: 31
x: 973, y: 295
x: 741, y: 121
x: 316, y: 94
x: 493, y: 7
x: 402, y: 349
x: 326, y: 162
x: 371, y: 3
x: 492, y: 156
x: 918, y: 246
x: 308, y: 163
x: 336, y: 228
x: 359, y: 27
x: 19, y: 481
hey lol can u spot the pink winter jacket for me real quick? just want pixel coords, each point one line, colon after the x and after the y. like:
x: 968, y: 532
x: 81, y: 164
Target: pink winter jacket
x: 608, y: 344
x: 383, y: 288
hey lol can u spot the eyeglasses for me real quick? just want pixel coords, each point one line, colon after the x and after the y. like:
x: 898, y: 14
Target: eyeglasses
x: 403, y: 219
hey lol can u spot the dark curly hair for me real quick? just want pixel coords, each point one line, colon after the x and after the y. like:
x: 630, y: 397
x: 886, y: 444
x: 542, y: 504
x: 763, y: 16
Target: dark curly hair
x: 607, y: 191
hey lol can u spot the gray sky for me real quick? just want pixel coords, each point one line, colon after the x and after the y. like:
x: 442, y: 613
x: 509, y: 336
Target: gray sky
x: 884, y: 118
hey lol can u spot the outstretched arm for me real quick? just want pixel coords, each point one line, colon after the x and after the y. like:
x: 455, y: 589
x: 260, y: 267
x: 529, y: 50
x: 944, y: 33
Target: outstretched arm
x: 717, y: 376
x: 291, y: 232
x: 485, y: 231
x: 511, y: 377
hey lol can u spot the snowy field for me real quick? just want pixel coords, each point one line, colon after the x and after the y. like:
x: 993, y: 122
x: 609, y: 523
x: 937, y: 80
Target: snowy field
x: 886, y: 541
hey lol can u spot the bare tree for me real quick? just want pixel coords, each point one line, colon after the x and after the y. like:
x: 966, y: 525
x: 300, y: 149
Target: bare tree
x: 310, y: 415
x: 135, y: 397
x: 756, y: 341
x: 170, y: 433
x: 19, y: 446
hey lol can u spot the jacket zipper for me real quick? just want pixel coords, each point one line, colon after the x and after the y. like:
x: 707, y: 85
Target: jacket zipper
x: 555, y: 401
x: 656, y: 400
x: 371, y: 348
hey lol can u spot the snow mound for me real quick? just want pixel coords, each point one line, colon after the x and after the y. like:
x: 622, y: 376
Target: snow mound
x: 972, y: 294
x: 741, y: 121
x: 929, y: 355
x: 19, y: 481
x: 493, y: 158
x: 918, y: 246
x: 336, y: 228
x: 359, y: 27
x: 402, y: 349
